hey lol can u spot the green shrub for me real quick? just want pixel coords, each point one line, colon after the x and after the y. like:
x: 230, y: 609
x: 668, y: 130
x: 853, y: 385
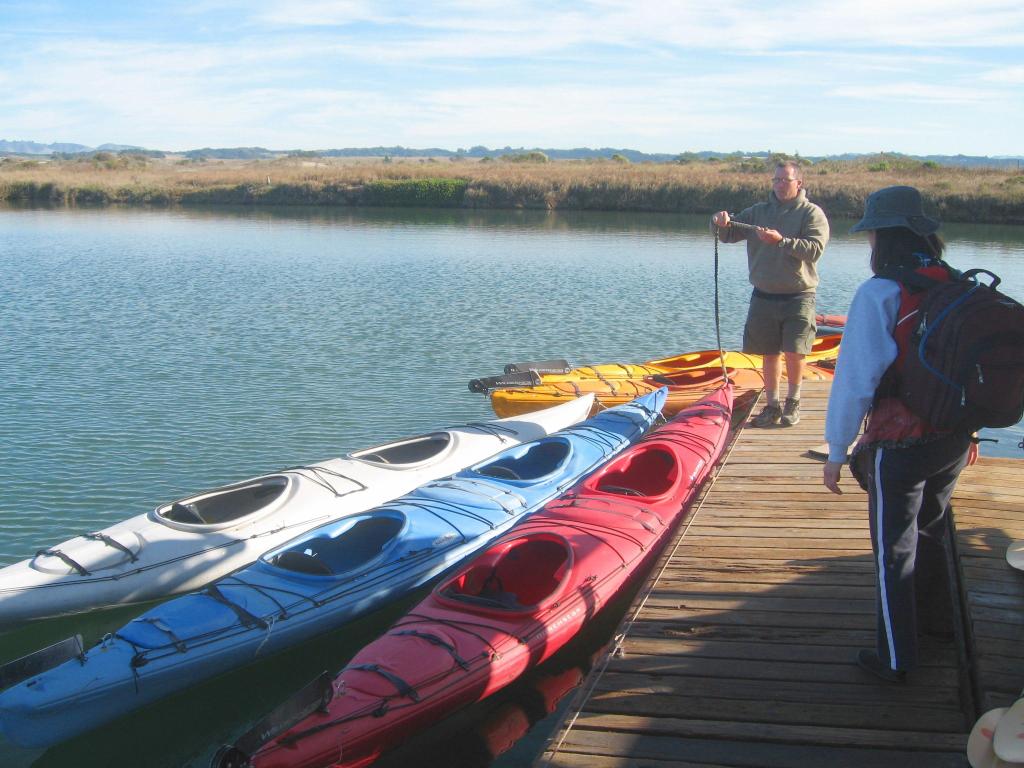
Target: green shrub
x: 750, y: 165
x: 526, y: 157
x: 431, y: 193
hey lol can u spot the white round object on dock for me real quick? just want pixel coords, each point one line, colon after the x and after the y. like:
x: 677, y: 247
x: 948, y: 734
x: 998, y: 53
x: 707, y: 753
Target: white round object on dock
x: 1008, y: 741
x: 980, y: 751
x: 1015, y: 554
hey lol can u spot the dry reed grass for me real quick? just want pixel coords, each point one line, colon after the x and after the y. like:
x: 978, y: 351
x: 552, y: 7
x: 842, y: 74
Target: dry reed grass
x: 956, y: 194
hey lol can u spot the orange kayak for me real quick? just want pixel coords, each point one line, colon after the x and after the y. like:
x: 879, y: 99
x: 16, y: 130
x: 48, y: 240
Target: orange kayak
x: 684, y: 389
x: 825, y: 348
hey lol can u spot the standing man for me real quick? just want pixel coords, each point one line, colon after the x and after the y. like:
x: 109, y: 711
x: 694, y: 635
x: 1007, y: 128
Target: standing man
x: 782, y: 257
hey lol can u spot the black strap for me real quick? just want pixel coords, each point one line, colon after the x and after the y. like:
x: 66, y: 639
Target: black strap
x: 82, y: 570
x: 177, y: 642
x: 247, y: 619
x: 435, y: 640
x: 401, y: 686
x: 915, y: 281
x: 97, y: 536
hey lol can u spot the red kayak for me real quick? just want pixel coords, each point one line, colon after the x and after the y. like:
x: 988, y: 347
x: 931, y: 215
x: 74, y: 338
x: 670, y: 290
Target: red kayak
x: 512, y: 606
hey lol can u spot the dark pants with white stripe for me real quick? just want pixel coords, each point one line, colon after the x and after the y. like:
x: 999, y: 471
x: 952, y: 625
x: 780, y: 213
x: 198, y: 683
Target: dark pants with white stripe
x: 908, y: 497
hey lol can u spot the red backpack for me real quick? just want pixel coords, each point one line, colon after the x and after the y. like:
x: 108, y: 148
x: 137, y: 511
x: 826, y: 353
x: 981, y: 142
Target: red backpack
x: 964, y: 363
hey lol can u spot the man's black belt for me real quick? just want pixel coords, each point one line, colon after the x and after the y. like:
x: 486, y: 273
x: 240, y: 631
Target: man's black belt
x: 781, y: 296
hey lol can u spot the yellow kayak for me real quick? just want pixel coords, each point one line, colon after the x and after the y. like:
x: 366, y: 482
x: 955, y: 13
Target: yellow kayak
x: 684, y: 389
x: 825, y: 348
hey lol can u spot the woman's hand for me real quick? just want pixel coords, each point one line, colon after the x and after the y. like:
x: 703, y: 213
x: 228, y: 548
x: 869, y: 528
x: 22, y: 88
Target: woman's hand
x: 833, y: 469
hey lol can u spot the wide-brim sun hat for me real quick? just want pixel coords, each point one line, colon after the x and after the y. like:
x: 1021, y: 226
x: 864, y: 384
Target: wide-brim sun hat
x: 896, y: 207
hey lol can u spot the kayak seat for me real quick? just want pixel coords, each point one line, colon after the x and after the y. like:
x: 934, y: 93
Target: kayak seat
x: 300, y: 562
x: 410, y: 451
x: 505, y: 600
x: 520, y: 577
x: 695, y: 378
x: 650, y: 472
x: 226, y: 504
x: 533, y: 569
x: 355, y: 546
x: 528, y: 463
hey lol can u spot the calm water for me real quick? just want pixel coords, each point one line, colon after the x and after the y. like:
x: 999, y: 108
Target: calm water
x: 149, y: 354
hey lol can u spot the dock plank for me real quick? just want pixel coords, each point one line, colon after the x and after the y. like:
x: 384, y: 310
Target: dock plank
x: 739, y: 650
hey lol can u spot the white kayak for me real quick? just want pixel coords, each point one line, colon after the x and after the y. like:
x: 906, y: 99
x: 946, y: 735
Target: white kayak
x: 184, y: 545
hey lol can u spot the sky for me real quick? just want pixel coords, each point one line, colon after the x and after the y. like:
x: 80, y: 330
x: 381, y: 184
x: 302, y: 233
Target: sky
x: 813, y: 77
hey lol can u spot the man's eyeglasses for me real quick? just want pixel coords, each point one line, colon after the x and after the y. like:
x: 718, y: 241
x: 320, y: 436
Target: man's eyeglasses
x: 783, y: 181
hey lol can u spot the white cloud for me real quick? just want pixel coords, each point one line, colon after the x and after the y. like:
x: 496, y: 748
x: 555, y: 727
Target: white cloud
x: 663, y: 77
x: 1005, y: 75
x: 739, y: 25
x: 913, y: 92
x: 317, y: 13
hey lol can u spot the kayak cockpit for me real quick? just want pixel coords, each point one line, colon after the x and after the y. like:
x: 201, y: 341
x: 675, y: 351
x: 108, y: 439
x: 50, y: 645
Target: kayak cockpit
x: 416, y: 450
x: 688, y: 360
x: 516, y: 576
x: 529, y: 462
x: 224, y: 506
x: 342, y: 548
x: 644, y: 472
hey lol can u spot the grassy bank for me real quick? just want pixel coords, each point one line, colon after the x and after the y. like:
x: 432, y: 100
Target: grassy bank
x: 954, y: 194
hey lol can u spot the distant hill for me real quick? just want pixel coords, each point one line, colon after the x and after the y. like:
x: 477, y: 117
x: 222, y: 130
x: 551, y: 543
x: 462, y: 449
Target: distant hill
x: 967, y: 161
x: 118, y: 148
x: 579, y: 153
x: 35, y: 148
x: 477, y: 152
x: 232, y: 153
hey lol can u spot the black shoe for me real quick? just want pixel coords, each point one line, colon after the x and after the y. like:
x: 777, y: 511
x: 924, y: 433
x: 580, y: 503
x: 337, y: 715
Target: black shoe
x: 768, y: 417
x: 790, y: 413
x: 869, y: 662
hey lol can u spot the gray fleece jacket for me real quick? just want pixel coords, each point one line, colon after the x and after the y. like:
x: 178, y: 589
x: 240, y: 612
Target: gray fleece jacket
x: 790, y: 266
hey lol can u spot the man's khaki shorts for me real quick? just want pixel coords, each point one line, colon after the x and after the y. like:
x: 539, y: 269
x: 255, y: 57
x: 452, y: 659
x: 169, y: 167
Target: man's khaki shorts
x: 784, y: 324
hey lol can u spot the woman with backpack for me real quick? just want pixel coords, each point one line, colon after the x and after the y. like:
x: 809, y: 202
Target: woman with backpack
x: 908, y: 468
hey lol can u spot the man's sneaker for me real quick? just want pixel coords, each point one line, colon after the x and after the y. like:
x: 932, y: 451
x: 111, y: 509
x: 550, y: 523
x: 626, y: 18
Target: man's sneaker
x: 768, y: 417
x: 790, y: 413
x: 869, y: 662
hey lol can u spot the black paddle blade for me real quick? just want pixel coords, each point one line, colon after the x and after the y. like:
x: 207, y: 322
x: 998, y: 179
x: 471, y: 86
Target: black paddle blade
x: 487, y: 383
x: 540, y: 366
x: 14, y: 672
x: 315, y: 695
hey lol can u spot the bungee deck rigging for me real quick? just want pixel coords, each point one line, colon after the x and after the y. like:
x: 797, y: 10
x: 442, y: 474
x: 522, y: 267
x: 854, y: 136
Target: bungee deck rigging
x: 370, y: 558
x: 185, y: 544
x: 505, y: 610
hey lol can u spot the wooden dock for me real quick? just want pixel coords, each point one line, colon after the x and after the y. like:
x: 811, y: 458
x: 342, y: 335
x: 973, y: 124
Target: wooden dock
x: 739, y: 651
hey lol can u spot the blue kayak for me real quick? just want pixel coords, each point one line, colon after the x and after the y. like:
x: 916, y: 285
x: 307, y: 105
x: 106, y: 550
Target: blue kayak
x: 314, y: 583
